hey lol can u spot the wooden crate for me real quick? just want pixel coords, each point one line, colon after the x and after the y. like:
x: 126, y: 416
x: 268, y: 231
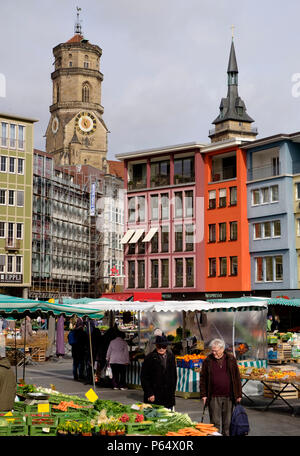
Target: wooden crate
x: 290, y: 391
x: 39, y: 355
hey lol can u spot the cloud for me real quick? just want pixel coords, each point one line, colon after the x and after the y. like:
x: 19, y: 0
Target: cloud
x: 164, y: 63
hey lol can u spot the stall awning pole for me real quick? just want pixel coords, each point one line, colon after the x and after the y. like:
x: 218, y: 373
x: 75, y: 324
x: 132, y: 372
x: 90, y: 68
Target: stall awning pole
x: 24, y: 360
x: 16, y: 357
x: 139, y: 327
x: 91, y: 353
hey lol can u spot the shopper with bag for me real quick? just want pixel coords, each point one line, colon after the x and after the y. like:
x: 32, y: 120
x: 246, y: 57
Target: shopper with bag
x: 220, y: 385
x: 117, y: 358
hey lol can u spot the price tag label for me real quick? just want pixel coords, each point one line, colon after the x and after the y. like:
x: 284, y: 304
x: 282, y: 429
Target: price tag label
x: 44, y: 408
x: 91, y: 395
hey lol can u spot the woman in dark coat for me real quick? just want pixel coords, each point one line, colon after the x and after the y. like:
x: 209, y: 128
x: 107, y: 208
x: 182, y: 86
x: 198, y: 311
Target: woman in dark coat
x: 159, y: 375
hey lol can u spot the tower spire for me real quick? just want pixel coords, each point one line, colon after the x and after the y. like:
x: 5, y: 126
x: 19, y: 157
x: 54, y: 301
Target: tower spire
x: 233, y: 120
x: 77, y: 28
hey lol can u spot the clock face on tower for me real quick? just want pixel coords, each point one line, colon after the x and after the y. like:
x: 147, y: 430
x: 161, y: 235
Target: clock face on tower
x: 55, y: 125
x: 85, y: 123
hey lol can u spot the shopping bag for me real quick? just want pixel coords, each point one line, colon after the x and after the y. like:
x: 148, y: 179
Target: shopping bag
x: 108, y: 372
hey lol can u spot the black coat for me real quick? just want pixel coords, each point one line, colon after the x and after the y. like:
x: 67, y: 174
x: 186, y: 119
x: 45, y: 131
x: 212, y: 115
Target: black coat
x: 81, y: 347
x: 158, y: 381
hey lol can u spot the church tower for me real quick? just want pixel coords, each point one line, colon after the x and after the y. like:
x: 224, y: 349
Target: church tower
x: 233, y: 120
x: 76, y: 133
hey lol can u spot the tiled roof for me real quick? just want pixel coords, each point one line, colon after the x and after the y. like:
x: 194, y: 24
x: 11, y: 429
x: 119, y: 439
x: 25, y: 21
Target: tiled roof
x: 76, y: 39
x: 116, y: 168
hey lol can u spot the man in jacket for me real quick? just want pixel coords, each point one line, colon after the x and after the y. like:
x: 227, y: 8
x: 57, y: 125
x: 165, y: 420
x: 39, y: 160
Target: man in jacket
x: 159, y: 375
x: 8, y: 385
x: 220, y: 385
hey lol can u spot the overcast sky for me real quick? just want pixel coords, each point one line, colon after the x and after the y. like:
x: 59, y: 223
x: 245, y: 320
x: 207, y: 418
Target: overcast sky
x: 164, y: 64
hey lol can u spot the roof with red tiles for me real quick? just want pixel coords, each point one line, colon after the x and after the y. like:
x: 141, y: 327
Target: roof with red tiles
x: 75, y: 39
x: 116, y: 168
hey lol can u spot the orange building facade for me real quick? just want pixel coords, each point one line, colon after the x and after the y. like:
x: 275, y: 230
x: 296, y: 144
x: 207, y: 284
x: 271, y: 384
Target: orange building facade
x: 226, y: 231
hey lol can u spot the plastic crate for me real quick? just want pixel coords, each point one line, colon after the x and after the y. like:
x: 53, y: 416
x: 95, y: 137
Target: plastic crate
x: 42, y: 419
x: 138, y: 428
x: 15, y: 425
x: 272, y: 355
x: 45, y: 425
x: 63, y: 417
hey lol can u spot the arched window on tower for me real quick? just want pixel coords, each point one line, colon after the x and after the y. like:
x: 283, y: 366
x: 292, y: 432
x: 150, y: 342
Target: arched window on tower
x: 86, y: 61
x: 57, y: 93
x: 85, y: 92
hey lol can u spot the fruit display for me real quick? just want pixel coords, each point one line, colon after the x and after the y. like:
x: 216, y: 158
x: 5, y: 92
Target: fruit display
x: 255, y: 373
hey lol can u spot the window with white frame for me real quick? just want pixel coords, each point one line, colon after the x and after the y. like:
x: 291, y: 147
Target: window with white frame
x: 2, y: 229
x: 4, y: 127
x: 21, y: 136
x: 2, y: 263
x: 3, y: 163
x: 19, y: 261
x: 20, y: 198
x: 212, y: 199
x: 268, y: 229
x: 269, y: 269
x: 2, y: 196
x: 12, y: 164
x: 20, y: 165
x: 222, y: 197
x: 265, y: 195
x: 19, y: 231
x: 12, y: 136
x: 11, y: 197
x: 10, y: 263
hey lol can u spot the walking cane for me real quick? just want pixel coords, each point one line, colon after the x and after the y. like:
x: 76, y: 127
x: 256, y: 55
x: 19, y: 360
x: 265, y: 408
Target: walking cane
x: 203, y: 411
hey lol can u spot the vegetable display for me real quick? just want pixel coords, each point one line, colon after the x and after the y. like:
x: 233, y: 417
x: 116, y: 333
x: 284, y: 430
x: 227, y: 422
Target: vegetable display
x: 73, y: 415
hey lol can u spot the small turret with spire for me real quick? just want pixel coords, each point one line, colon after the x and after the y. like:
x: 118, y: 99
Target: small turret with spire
x: 233, y: 120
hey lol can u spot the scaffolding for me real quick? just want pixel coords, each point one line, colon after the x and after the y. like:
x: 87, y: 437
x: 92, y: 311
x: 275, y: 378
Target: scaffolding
x: 65, y: 248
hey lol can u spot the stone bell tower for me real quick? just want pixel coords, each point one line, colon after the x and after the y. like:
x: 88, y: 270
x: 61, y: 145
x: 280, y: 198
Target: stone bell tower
x: 76, y: 132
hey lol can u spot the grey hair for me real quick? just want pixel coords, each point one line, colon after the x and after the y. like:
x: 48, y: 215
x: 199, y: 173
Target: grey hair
x: 219, y: 342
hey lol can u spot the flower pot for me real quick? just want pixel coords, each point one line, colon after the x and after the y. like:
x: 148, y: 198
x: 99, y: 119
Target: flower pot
x: 86, y: 434
x: 102, y: 432
x: 120, y: 432
x: 111, y: 433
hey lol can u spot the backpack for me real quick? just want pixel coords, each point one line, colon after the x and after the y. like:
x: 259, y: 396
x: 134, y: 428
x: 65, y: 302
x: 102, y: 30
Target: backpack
x: 72, y: 337
x: 239, y: 422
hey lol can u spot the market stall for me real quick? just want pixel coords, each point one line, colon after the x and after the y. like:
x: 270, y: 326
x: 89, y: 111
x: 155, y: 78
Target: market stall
x: 278, y: 383
x: 241, y: 323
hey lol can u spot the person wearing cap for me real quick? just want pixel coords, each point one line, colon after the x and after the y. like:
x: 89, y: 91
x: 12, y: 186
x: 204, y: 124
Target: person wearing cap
x: 159, y: 375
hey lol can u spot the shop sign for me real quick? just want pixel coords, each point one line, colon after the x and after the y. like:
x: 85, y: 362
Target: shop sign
x: 213, y: 295
x: 11, y: 278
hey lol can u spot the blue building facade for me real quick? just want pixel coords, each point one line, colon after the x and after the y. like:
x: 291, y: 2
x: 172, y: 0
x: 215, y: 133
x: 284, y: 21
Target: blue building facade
x: 273, y: 164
